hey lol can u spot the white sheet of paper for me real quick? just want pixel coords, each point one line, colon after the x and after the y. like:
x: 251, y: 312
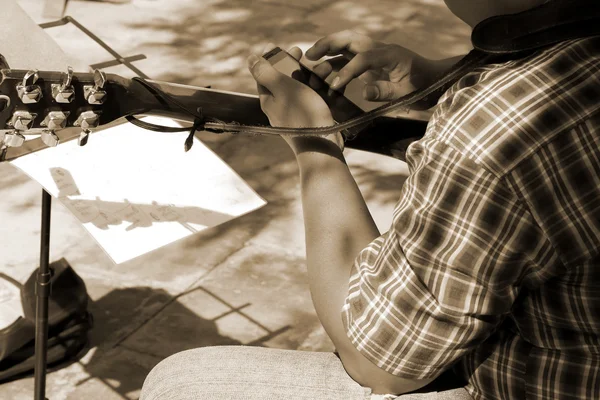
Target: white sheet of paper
x: 135, y: 190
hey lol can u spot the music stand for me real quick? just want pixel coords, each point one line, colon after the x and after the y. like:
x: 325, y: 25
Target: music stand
x: 43, y: 282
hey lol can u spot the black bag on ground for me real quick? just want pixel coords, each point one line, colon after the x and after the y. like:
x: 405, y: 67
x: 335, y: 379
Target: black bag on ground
x: 68, y: 323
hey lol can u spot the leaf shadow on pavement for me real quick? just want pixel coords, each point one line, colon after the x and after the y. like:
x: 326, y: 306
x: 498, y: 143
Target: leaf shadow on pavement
x: 209, y: 43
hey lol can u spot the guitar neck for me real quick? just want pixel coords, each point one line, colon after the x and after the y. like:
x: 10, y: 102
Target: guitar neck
x: 222, y: 105
x: 386, y: 135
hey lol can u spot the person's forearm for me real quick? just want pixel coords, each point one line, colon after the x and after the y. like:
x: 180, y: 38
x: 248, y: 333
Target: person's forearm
x: 338, y: 226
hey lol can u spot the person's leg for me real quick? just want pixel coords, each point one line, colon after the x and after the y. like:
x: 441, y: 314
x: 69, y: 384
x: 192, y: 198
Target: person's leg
x: 241, y: 372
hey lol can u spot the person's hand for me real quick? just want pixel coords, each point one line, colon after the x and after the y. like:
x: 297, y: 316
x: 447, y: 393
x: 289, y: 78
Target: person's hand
x: 387, y: 69
x: 288, y: 102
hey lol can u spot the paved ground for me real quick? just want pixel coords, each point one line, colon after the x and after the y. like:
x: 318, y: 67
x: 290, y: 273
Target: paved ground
x: 243, y: 282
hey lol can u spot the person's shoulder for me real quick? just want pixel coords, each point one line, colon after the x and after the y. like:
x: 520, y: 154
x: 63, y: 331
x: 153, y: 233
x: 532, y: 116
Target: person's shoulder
x: 501, y: 114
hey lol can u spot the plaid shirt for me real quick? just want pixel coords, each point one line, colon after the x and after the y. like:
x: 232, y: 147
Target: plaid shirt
x: 492, y: 263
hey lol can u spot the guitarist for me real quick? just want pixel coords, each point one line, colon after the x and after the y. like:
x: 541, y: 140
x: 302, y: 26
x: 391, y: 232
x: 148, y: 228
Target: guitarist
x: 491, y: 266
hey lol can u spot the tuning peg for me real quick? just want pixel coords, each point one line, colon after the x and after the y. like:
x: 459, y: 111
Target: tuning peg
x: 87, y: 120
x: 22, y: 120
x: 67, y: 77
x: 99, y: 78
x: 83, y: 137
x: 55, y: 120
x: 3, y: 63
x: 30, y: 78
x: 96, y: 94
x: 64, y: 92
x: 4, y: 102
x: 13, y: 139
x: 50, y: 138
x: 27, y: 90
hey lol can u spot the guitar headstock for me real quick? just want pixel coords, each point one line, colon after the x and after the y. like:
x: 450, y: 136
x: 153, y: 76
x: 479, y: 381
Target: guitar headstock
x: 41, y: 103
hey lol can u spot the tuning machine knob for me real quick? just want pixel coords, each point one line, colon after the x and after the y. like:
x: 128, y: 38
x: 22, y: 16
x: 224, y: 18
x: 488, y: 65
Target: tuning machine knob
x: 96, y: 94
x: 83, y: 137
x: 87, y: 120
x: 22, y: 120
x: 64, y: 92
x: 55, y: 120
x: 27, y: 90
x: 50, y: 138
x: 12, y: 139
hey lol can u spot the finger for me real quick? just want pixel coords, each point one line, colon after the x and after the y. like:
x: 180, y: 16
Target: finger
x: 386, y: 90
x: 323, y: 69
x: 295, y: 52
x: 339, y: 42
x: 372, y: 76
x: 337, y: 63
x: 264, y: 73
x: 363, y: 62
x: 321, y: 72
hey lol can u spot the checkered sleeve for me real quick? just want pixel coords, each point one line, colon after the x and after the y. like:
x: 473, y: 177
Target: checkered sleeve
x: 439, y: 282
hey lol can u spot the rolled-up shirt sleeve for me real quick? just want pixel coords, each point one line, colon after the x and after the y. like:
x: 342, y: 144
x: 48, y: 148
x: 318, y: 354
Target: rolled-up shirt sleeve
x: 439, y: 282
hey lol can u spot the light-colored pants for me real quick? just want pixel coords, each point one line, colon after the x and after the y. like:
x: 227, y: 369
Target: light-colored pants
x: 243, y: 372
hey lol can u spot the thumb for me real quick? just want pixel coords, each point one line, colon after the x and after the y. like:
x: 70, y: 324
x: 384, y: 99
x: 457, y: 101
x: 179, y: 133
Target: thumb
x: 263, y: 72
x: 384, y: 90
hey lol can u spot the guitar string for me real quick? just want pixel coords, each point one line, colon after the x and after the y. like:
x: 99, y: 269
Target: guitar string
x: 472, y: 60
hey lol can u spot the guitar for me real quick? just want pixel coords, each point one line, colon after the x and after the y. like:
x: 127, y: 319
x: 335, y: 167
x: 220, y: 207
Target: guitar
x: 39, y: 109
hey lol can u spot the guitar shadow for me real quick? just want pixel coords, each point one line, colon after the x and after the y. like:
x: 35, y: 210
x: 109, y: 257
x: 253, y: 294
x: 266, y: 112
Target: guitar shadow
x: 104, y: 214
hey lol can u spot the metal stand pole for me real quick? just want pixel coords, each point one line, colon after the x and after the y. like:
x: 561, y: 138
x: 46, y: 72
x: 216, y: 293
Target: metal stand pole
x: 43, y: 288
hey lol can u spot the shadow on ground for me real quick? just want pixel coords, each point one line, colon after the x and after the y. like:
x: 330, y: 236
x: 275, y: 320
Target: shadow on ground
x: 113, y: 372
x: 209, y: 44
x: 180, y: 329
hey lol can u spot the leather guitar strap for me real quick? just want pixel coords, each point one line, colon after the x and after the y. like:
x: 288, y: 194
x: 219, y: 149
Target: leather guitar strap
x: 542, y: 26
